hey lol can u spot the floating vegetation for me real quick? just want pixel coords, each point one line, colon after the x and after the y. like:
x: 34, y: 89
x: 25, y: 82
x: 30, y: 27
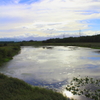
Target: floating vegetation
x: 88, y: 87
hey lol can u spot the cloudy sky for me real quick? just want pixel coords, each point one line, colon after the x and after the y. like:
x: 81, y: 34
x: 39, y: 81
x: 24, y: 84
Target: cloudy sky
x: 42, y: 19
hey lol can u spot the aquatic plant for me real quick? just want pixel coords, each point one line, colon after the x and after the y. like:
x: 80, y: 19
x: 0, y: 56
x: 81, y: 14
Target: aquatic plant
x: 86, y: 86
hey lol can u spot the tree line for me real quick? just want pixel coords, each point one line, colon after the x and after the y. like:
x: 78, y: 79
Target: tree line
x: 94, y: 38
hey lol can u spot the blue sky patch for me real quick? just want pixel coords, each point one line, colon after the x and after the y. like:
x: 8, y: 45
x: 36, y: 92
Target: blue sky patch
x: 28, y: 1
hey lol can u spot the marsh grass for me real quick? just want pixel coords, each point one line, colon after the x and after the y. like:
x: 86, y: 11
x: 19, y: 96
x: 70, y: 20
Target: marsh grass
x: 95, y: 45
x: 90, y: 45
x: 7, y: 53
x: 15, y: 89
x: 86, y: 86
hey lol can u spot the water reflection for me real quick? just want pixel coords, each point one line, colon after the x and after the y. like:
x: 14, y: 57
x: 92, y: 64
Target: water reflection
x: 67, y: 94
x: 53, y: 66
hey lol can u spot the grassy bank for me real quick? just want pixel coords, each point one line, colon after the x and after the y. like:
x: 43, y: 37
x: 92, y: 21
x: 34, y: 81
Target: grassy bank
x: 15, y: 89
x: 7, y: 52
x: 90, y: 45
x: 40, y: 43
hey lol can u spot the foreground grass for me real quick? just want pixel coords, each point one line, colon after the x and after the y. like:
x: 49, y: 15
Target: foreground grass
x: 15, y: 89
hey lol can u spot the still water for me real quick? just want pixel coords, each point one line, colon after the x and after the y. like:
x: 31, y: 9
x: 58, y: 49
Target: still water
x: 53, y: 67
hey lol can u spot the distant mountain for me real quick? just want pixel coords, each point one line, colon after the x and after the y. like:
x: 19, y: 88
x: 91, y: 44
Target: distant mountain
x: 24, y: 38
x: 9, y: 39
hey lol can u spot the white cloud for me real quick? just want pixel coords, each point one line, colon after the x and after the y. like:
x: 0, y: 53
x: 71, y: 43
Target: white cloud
x: 48, y: 16
x: 91, y: 32
x: 16, y: 1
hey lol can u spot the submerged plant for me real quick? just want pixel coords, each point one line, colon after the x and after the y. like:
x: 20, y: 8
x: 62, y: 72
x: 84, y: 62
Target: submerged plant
x: 88, y: 87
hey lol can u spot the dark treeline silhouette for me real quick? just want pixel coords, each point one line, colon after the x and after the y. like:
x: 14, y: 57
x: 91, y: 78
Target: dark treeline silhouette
x: 6, y: 41
x: 94, y: 38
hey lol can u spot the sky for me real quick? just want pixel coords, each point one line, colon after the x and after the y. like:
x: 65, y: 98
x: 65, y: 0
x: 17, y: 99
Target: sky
x: 44, y: 19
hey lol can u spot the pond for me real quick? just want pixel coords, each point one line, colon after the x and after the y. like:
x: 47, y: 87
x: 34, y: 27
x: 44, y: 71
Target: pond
x: 53, y: 66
